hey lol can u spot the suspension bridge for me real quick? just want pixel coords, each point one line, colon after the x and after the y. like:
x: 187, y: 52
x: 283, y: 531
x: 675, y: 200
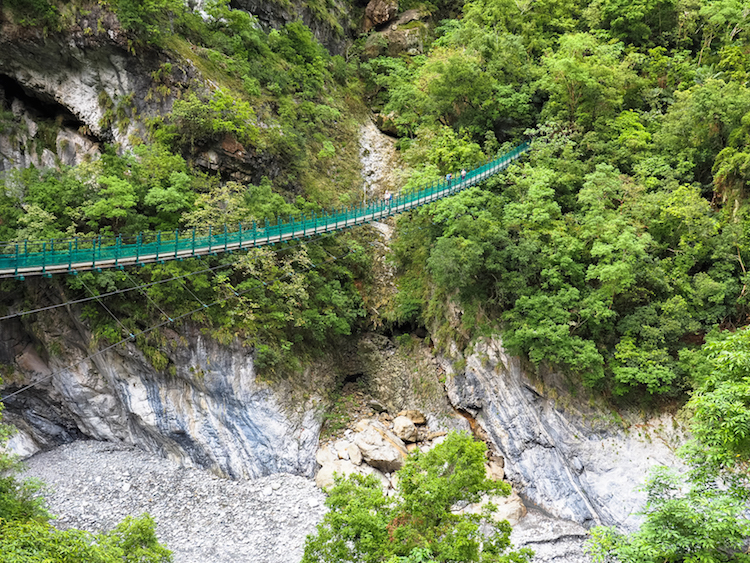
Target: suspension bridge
x: 70, y: 256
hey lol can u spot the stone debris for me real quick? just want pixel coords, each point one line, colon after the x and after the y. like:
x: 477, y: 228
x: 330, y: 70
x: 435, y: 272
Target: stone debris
x: 380, y: 447
x: 200, y: 517
x: 510, y: 508
x: 204, y: 518
x: 415, y: 416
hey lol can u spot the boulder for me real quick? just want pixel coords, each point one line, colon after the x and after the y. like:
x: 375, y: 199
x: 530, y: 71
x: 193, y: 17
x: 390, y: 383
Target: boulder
x: 380, y: 447
x: 355, y: 455
x: 342, y: 449
x: 404, y: 428
x: 495, y: 471
x: 324, y: 456
x: 379, y: 12
x: 417, y: 417
x: 324, y: 478
x: 510, y: 508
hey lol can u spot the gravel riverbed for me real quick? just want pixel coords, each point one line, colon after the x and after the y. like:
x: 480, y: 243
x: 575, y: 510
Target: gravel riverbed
x: 203, y: 518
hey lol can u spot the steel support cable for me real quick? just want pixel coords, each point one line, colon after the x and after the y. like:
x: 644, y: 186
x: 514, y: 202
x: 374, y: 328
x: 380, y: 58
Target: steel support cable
x: 147, y: 296
x: 111, y: 314
x: 146, y: 331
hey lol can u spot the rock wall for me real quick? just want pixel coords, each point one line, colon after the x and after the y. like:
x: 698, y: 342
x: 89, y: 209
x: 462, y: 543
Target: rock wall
x: 569, y: 459
x: 573, y: 461
x: 334, y: 32
x: 91, y: 72
x: 211, y: 411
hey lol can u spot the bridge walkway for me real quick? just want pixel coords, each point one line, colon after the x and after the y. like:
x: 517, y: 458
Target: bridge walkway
x: 44, y: 258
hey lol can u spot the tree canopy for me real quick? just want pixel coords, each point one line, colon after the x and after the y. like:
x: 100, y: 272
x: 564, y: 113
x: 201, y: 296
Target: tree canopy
x: 421, y: 523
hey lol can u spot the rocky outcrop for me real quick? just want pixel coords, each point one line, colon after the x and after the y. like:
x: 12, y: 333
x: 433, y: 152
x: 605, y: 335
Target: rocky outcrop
x: 573, y: 461
x: 379, y: 12
x: 210, y: 411
x: 406, y: 35
x: 40, y: 135
x: 380, y: 447
x: 334, y: 28
x: 90, y: 72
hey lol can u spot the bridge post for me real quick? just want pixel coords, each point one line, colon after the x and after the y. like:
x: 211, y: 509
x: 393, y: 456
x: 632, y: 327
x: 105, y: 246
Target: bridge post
x: 176, y: 241
x: 192, y: 252
x: 15, y: 274
x: 44, y: 258
x: 225, y: 237
x: 117, y: 250
x: 209, y: 239
x: 158, y: 244
x: 93, y: 254
x: 240, y: 237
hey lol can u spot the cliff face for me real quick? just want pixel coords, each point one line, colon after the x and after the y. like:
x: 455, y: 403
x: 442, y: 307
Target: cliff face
x: 88, y: 73
x: 64, y: 94
x: 572, y: 460
x: 563, y: 456
x: 333, y: 25
x: 210, y: 412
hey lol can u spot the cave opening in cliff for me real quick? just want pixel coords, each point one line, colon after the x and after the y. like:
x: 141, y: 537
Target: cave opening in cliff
x: 354, y: 379
x: 417, y: 330
x: 38, y: 105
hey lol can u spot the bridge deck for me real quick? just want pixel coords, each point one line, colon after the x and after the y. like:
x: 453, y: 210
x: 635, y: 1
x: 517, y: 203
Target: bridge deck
x: 35, y: 258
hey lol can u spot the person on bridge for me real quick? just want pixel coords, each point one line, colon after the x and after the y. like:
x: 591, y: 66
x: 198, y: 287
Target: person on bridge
x: 448, y: 178
x: 463, y: 174
x: 387, y: 197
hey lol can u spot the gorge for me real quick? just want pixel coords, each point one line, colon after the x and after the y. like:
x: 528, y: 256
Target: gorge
x: 563, y: 312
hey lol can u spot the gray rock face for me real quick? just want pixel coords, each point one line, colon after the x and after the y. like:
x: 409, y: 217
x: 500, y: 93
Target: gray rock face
x: 212, y: 412
x: 88, y: 72
x: 582, y: 469
x: 406, y: 35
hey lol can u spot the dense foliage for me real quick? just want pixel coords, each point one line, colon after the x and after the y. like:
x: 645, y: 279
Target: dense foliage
x: 279, y: 95
x: 620, y: 242
x: 701, y: 515
x: 419, y: 524
x: 616, y: 252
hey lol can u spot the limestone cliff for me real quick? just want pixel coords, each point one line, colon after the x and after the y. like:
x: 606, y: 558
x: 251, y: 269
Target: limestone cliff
x: 210, y: 411
x: 569, y: 458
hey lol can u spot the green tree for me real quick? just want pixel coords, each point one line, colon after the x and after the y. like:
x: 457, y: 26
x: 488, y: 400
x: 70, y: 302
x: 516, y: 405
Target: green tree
x: 685, y: 521
x: 586, y: 80
x: 419, y: 523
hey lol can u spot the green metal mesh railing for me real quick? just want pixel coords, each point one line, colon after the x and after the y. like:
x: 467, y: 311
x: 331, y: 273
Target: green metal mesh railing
x: 19, y: 259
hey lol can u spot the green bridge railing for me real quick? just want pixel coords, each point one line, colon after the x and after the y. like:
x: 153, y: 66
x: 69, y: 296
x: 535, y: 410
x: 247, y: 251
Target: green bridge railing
x: 29, y: 258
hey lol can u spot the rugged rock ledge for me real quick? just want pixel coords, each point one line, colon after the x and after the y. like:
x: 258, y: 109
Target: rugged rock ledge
x: 211, y: 411
x: 574, y: 461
